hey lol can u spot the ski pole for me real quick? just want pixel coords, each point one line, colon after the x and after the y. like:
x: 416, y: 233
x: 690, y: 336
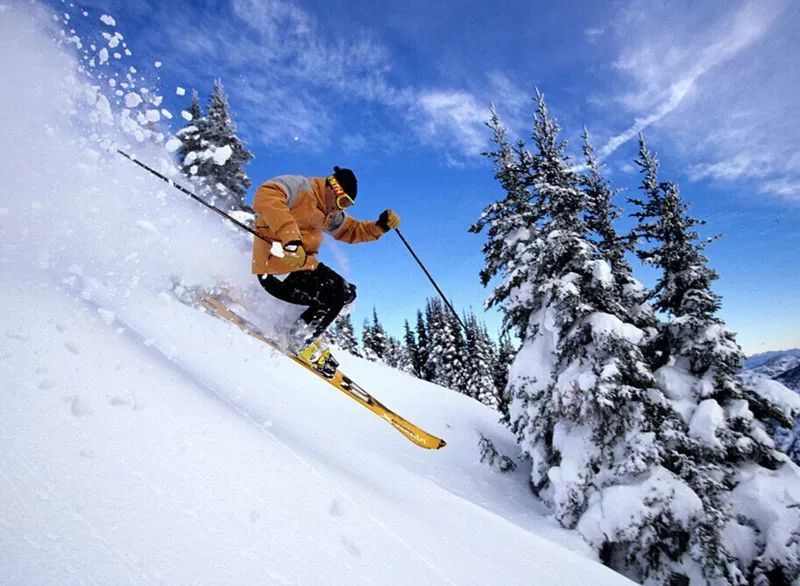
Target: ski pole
x: 430, y: 278
x: 180, y: 187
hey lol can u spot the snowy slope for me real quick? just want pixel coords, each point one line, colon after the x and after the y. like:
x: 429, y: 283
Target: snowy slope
x: 142, y: 441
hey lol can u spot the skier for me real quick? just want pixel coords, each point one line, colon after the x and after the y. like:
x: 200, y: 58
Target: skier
x: 292, y: 213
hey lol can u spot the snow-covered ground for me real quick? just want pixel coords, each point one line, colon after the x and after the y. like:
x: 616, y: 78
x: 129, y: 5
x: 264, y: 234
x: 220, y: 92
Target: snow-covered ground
x: 143, y: 441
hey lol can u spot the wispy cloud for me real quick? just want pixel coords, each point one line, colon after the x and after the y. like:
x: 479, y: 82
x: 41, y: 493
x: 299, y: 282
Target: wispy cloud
x: 665, y: 71
x: 723, y: 92
x: 784, y: 187
x: 452, y: 116
x: 294, y: 82
x: 593, y: 33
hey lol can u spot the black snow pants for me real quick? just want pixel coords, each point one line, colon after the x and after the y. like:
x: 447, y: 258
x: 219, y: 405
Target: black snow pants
x: 323, y: 290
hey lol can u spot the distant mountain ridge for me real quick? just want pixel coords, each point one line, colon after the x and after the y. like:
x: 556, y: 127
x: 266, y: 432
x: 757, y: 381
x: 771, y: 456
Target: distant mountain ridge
x: 757, y: 360
x: 778, y: 365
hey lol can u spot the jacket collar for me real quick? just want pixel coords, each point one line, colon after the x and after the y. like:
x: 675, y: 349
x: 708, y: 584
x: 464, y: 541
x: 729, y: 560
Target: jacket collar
x: 318, y: 187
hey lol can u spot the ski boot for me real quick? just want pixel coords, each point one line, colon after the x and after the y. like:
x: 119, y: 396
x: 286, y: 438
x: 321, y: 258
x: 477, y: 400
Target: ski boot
x: 317, y: 355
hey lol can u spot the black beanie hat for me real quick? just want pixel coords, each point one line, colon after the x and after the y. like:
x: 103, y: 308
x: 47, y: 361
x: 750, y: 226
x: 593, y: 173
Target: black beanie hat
x: 347, y: 179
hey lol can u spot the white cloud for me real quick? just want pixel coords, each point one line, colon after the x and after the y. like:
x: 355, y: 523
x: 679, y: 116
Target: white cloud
x: 284, y: 72
x: 719, y: 83
x: 453, y: 118
x: 783, y: 187
x: 593, y: 33
x: 666, y: 68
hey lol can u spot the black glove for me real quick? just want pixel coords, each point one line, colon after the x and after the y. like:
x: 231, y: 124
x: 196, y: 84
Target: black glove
x: 388, y: 220
x: 295, y: 253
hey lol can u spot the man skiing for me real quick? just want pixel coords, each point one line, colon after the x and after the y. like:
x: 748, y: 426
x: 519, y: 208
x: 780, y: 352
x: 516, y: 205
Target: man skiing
x: 292, y: 213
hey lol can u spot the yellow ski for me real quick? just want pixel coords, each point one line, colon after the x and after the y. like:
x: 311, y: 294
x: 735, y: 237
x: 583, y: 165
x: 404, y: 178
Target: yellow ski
x: 339, y: 380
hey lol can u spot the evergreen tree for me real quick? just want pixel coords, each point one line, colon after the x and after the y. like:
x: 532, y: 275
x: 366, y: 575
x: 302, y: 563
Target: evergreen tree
x: 479, y: 380
x: 190, y: 137
x: 374, y: 339
x: 447, y: 347
x: 424, y: 363
x: 601, y: 212
x: 397, y: 356
x: 416, y: 365
x: 698, y: 366
x: 213, y: 153
x: 459, y: 372
x: 510, y: 224
x: 585, y: 406
x: 503, y: 359
x: 344, y: 335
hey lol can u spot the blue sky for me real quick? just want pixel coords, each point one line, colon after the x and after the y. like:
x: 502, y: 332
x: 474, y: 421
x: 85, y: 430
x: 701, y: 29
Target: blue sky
x: 400, y: 91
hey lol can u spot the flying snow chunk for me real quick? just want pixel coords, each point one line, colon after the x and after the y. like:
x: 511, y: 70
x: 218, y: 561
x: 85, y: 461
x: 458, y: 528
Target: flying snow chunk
x: 153, y: 115
x: 173, y: 145
x: 180, y: 91
x: 186, y: 116
x: 277, y: 250
x: 221, y: 155
x: 108, y: 317
x: 108, y: 20
x: 103, y: 54
x: 113, y: 40
x: 132, y: 100
x: 148, y: 227
x: 157, y: 64
x: 103, y: 110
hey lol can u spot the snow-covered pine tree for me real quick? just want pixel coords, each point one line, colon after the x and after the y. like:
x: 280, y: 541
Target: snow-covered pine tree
x: 366, y: 341
x: 585, y: 407
x: 510, y: 224
x: 447, y: 346
x: 190, y: 137
x: 460, y: 375
x: 213, y: 153
x: 504, y: 357
x: 424, y: 364
x: 344, y: 335
x: 224, y: 170
x: 391, y: 356
x: 744, y: 482
x: 479, y: 379
x: 397, y: 355
x: 601, y: 212
x: 416, y: 365
x: 434, y: 324
x: 374, y: 339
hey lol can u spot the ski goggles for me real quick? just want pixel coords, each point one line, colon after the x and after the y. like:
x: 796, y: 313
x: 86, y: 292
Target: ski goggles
x: 343, y: 200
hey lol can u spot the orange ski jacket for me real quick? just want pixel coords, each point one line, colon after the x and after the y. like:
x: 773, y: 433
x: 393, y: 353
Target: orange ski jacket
x: 292, y: 207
